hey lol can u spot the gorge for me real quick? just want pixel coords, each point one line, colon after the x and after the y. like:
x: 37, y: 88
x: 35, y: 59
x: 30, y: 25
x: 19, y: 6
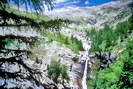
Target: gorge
x: 68, y: 48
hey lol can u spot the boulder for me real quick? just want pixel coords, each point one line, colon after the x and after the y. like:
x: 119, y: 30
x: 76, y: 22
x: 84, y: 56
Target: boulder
x: 105, y: 58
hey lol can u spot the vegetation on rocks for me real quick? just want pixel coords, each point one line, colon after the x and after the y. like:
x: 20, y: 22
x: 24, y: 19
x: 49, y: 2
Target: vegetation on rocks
x: 13, y: 65
x: 56, y: 70
x: 11, y: 17
x: 71, y: 42
x: 117, y: 75
x: 104, y: 39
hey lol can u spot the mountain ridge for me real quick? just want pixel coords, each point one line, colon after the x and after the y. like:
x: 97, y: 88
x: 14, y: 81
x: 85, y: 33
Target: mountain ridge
x: 95, y: 16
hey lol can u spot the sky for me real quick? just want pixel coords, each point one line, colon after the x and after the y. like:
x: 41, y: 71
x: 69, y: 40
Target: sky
x: 81, y: 3
x: 64, y: 3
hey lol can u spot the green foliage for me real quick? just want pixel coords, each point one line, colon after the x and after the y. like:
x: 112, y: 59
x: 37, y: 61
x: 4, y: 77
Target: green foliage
x: 130, y: 20
x: 7, y: 12
x: 119, y: 75
x: 56, y: 70
x: 102, y: 39
x: 9, y: 42
x: 30, y: 15
x: 126, y: 78
x: 107, y: 37
x: 37, y: 21
x: 74, y: 44
x: 64, y: 73
x: 21, y: 17
x: 109, y: 77
x: 122, y: 29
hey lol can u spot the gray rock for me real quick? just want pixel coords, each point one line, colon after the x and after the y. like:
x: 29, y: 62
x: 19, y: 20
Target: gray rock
x: 106, y: 58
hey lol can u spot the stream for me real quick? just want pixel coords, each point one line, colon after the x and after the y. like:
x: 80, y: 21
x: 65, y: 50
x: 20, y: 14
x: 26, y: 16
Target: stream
x: 85, y: 75
x: 83, y: 56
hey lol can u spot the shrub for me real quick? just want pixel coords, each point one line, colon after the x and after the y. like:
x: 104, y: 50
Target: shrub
x: 56, y: 70
x: 126, y: 78
x: 64, y: 73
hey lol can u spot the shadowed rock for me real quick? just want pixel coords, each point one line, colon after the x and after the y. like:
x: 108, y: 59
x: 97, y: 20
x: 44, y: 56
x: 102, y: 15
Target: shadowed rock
x: 105, y: 58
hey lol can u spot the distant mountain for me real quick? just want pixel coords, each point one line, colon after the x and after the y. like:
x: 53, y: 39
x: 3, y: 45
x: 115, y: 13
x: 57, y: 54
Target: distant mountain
x: 95, y: 16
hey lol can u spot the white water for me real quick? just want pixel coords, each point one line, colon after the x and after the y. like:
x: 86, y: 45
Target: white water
x: 84, y: 85
x: 83, y: 54
x: 85, y: 57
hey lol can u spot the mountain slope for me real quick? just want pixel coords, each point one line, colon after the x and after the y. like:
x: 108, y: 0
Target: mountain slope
x: 95, y: 16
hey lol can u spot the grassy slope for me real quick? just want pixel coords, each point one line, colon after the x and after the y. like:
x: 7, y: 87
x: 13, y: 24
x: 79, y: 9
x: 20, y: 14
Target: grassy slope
x: 70, y: 42
x: 27, y: 14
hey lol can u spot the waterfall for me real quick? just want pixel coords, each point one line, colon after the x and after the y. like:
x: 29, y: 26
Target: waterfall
x: 86, y: 46
x: 84, y: 85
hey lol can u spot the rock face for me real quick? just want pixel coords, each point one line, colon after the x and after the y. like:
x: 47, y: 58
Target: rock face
x: 15, y: 73
x: 17, y: 70
x: 25, y: 67
x: 105, y: 58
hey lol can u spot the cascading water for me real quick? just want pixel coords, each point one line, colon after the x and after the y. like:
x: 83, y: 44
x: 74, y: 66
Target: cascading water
x: 83, y: 56
x: 87, y: 59
x: 84, y: 85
